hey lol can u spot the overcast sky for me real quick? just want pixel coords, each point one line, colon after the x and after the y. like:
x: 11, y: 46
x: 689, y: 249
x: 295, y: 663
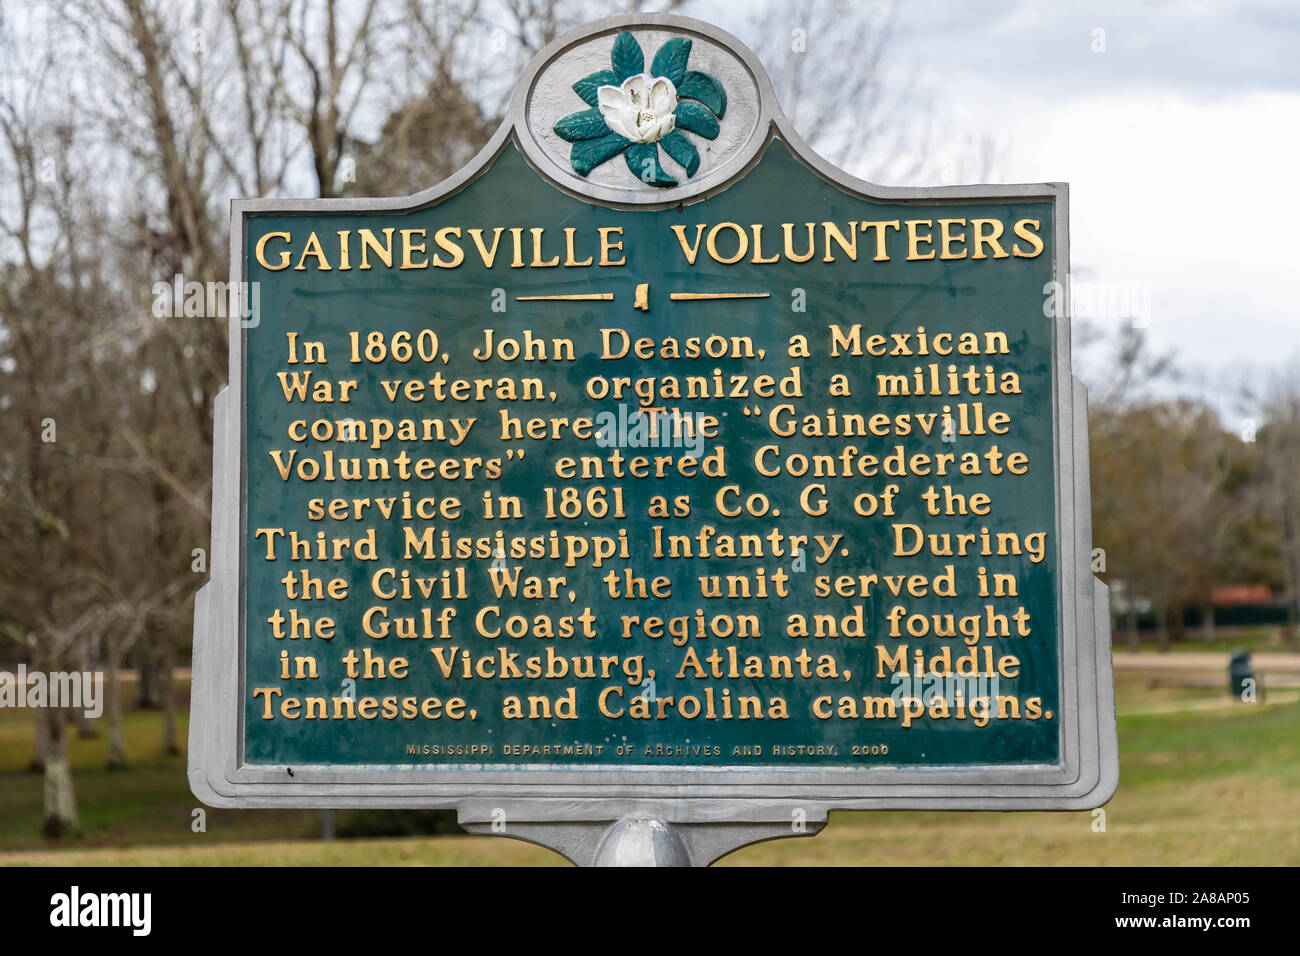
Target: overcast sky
x: 1180, y: 142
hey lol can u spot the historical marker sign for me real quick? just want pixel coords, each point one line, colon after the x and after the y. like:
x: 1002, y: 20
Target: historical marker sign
x: 651, y: 465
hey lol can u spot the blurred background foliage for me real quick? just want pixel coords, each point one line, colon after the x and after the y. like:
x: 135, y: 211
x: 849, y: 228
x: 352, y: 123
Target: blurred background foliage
x: 127, y: 126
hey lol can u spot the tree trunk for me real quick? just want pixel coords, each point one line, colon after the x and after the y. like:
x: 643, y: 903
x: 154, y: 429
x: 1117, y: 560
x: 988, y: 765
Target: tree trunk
x: 86, y: 728
x: 1207, y: 622
x: 60, y: 798
x: 1162, y: 629
x: 117, y: 759
x: 169, y: 697
x: 40, y: 747
x: 1134, y: 642
x: 148, y: 668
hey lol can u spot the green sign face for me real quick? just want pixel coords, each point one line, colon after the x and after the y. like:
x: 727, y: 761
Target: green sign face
x: 651, y: 444
x: 716, y: 529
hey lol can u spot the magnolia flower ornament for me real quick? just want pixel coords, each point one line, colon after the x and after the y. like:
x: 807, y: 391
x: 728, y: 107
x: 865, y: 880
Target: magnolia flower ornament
x: 635, y: 112
x: 640, y: 110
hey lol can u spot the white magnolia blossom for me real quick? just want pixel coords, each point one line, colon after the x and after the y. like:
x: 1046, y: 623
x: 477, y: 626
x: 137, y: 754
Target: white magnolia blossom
x: 641, y: 109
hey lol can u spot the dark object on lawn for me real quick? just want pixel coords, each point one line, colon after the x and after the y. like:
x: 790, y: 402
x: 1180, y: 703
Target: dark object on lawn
x: 1241, y: 677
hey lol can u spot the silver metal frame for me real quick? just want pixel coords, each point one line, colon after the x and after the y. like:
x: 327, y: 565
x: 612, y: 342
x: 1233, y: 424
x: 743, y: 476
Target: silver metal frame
x: 740, y: 804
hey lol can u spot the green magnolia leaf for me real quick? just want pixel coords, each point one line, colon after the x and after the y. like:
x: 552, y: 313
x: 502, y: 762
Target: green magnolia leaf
x: 586, y: 124
x: 588, y: 154
x: 643, y: 160
x: 670, y: 61
x: 627, y: 58
x: 696, y: 118
x: 701, y: 103
x: 588, y: 85
x: 705, y: 89
x: 683, y: 150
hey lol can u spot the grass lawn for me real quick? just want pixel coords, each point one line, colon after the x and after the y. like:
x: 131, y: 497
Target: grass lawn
x: 1226, y: 640
x: 1204, y: 787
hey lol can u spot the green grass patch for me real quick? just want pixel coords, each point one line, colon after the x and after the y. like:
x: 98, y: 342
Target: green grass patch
x: 1270, y: 638
x: 1197, y: 787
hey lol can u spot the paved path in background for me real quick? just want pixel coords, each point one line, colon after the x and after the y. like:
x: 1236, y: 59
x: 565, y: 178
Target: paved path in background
x: 1202, y: 661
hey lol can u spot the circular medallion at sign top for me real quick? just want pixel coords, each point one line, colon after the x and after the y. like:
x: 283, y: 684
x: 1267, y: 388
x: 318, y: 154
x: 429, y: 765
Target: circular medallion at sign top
x: 640, y: 113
